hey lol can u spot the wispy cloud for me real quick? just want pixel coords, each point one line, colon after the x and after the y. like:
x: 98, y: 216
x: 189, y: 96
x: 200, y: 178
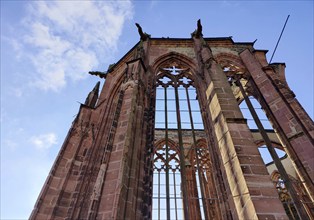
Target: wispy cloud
x: 65, y: 39
x: 44, y: 141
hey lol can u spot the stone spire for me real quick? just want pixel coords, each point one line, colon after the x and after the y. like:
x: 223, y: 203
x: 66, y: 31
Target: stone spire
x: 92, y: 96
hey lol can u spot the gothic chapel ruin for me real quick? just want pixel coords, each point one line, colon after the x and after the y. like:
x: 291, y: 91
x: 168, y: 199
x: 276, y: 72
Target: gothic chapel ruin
x: 168, y: 137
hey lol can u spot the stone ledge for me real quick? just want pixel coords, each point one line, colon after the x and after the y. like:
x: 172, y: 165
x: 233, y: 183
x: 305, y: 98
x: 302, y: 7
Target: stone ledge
x: 236, y: 120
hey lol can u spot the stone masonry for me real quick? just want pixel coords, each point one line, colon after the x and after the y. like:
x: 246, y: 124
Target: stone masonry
x: 104, y: 168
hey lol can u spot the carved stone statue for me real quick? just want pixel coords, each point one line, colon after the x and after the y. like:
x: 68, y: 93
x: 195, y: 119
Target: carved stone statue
x: 198, y: 32
x: 144, y: 36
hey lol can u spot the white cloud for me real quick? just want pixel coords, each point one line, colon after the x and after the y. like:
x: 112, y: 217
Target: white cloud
x: 44, y: 141
x: 66, y: 39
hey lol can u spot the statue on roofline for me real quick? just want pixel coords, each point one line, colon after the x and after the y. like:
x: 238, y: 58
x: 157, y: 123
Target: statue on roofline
x: 144, y: 36
x: 198, y: 32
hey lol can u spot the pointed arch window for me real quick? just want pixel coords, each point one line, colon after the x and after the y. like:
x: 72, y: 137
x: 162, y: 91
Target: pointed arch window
x: 181, y: 174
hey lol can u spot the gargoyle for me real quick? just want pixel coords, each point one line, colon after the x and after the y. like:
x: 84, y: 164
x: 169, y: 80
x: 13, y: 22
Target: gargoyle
x: 98, y: 73
x: 144, y: 36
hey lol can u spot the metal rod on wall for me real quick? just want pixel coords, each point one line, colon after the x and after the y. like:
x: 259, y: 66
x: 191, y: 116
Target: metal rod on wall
x: 279, y: 39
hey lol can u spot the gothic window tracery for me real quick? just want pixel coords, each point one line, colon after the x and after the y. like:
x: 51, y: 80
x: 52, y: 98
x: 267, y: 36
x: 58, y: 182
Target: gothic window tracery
x: 182, y: 181
x: 285, y: 197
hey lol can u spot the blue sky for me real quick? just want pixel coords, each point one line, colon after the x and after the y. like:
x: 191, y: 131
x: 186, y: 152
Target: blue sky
x: 47, y: 48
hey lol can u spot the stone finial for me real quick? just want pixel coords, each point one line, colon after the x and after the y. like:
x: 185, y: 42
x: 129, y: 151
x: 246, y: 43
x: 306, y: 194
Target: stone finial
x: 144, y: 36
x: 198, y: 32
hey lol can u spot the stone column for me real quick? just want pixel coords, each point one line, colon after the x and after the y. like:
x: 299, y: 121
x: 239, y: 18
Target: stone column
x: 295, y: 132
x: 193, y: 197
x: 251, y: 191
x: 123, y: 178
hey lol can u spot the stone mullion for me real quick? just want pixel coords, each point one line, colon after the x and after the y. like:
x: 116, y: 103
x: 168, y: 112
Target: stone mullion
x: 208, y: 206
x: 193, y: 198
x: 297, y: 145
x: 210, y: 192
x: 211, y: 195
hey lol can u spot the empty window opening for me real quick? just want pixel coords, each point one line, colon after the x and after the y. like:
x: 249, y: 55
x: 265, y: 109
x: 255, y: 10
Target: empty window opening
x: 182, y: 181
x: 260, y: 112
x: 259, y: 124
